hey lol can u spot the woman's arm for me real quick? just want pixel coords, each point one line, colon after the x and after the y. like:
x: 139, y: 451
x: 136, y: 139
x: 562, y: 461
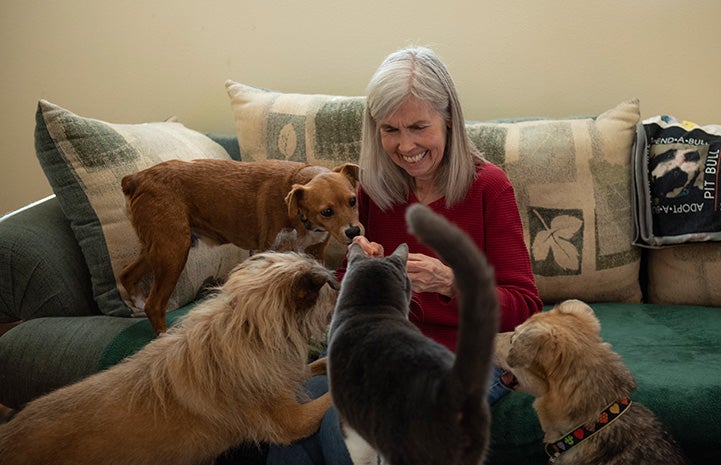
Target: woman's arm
x: 507, y: 252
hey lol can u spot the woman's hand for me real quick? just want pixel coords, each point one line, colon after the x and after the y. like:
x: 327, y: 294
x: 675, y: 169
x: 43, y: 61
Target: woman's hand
x: 428, y: 274
x: 372, y: 249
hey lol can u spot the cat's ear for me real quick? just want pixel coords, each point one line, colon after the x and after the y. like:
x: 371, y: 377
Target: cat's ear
x: 355, y: 251
x: 401, y: 253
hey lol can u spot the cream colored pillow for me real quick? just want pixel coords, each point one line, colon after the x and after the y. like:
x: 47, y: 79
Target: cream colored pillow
x: 320, y: 129
x: 685, y: 275
x: 573, y: 187
x: 84, y: 160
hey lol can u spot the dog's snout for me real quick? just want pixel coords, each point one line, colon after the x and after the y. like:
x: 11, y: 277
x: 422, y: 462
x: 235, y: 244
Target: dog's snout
x: 352, y: 231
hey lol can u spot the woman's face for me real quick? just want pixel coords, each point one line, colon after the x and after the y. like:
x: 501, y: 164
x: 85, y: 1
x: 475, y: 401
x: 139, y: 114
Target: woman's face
x: 415, y: 138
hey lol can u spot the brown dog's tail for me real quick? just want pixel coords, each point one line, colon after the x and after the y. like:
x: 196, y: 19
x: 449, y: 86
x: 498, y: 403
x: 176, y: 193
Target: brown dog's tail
x: 128, y: 184
x: 476, y: 288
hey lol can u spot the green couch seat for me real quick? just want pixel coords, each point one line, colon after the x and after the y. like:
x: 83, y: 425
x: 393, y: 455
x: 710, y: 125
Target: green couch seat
x: 674, y: 352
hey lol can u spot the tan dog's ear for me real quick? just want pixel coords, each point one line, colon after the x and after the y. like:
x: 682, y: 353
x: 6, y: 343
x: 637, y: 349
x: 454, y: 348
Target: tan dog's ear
x: 581, y: 310
x: 526, y: 344
x: 294, y: 198
x: 350, y: 171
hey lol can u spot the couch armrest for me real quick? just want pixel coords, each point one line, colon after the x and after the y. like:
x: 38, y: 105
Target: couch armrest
x: 43, y: 270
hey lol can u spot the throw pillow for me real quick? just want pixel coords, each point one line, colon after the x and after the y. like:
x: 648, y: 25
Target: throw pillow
x: 573, y: 186
x: 685, y: 275
x: 675, y: 169
x: 320, y: 129
x: 572, y: 179
x: 84, y: 160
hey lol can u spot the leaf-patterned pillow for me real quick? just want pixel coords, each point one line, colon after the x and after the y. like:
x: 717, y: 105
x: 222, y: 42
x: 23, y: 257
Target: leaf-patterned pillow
x: 320, y: 129
x: 573, y: 187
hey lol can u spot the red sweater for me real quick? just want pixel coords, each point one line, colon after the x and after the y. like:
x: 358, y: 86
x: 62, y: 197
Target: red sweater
x: 489, y: 214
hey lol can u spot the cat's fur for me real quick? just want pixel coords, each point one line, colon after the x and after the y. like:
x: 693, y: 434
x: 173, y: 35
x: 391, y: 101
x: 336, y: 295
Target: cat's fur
x: 397, y: 391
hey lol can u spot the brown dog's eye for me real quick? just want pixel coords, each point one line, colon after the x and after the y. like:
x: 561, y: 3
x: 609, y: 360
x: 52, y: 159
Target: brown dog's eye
x: 351, y: 202
x: 328, y: 212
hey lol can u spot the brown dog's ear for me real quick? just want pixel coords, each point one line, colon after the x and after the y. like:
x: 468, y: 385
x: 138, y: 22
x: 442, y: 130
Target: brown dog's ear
x: 294, y: 198
x: 350, y: 171
x: 309, y: 284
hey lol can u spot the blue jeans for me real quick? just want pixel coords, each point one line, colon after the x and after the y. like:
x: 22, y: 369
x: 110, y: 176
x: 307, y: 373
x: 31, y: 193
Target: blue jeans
x: 326, y: 447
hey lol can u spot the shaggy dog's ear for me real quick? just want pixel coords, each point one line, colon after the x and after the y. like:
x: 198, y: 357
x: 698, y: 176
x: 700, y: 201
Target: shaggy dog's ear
x: 308, y: 286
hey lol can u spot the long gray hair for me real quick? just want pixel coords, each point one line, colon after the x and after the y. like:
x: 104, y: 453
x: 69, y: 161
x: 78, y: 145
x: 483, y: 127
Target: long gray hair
x: 418, y: 72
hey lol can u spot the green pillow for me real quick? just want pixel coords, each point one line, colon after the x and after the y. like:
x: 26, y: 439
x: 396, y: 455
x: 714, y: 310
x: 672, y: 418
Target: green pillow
x: 84, y: 160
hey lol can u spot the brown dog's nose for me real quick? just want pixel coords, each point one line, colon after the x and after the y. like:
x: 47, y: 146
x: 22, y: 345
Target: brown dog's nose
x: 352, y: 231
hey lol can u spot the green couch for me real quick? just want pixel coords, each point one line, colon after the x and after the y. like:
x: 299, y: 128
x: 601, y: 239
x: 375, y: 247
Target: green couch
x: 668, y: 331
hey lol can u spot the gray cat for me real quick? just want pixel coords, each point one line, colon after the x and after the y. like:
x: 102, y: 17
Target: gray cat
x: 397, y: 392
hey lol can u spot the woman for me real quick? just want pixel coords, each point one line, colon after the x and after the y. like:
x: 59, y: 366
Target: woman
x: 415, y: 149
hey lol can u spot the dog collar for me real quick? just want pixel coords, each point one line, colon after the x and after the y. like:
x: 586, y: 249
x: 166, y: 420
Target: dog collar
x: 308, y: 225
x: 305, y: 222
x: 585, y: 431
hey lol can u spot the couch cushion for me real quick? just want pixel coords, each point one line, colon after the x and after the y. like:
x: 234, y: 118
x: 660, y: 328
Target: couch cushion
x: 673, y: 351
x: 44, y: 354
x: 43, y: 274
x: 573, y: 188
x: 84, y: 159
x: 319, y: 129
x: 685, y: 274
x: 572, y: 179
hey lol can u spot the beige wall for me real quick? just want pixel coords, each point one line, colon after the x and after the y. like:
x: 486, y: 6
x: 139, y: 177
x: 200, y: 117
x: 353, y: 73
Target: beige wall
x: 135, y: 61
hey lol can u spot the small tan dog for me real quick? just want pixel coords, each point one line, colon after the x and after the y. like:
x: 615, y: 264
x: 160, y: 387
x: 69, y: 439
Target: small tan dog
x: 230, y: 372
x: 582, y: 391
x: 223, y: 201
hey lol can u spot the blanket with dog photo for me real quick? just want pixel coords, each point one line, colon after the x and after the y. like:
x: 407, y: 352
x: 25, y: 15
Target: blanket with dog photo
x: 676, y: 182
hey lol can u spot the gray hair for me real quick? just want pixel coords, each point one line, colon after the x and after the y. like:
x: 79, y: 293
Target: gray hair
x: 417, y: 72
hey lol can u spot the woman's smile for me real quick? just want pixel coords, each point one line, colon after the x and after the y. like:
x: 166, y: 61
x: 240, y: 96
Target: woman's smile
x: 415, y: 158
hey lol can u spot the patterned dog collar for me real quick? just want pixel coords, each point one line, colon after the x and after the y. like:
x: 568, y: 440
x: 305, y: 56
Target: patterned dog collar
x: 583, y: 432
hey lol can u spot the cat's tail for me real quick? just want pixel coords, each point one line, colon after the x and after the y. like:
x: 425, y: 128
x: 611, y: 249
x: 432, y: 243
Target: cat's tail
x: 476, y: 292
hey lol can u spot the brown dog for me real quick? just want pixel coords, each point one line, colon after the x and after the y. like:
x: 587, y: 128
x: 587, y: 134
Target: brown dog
x: 222, y: 201
x: 228, y: 373
x: 582, y: 389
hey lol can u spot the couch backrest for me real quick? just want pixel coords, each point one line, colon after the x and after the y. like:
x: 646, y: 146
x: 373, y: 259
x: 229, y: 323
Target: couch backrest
x: 572, y: 179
